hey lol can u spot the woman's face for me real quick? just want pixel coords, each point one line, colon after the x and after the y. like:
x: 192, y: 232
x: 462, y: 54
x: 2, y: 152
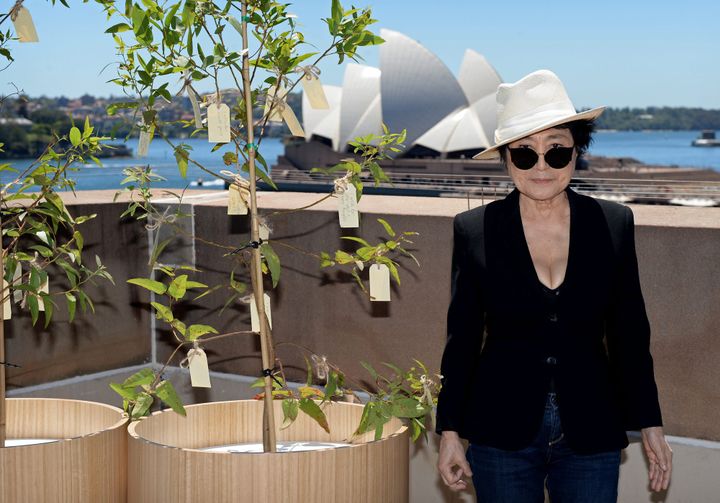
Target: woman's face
x: 541, y: 182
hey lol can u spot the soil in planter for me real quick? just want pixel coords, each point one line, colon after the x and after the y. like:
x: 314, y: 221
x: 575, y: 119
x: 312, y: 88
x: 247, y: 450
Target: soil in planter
x: 20, y: 442
x: 257, y: 448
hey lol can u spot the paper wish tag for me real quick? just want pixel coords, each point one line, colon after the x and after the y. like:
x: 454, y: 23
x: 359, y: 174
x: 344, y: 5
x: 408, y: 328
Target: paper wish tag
x: 7, y: 303
x: 237, y: 200
x: 199, y: 371
x: 255, y: 318
x: 24, y: 26
x: 195, y: 108
x: 276, y: 104
x: 17, y: 279
x: 292, y: 122
x: 379, y: 283
x: 44, y: 288
x: 314, y: 91
x: 218, y: 119
x: 146, y: 136
x: 264, y: 232
x: 348, y: 209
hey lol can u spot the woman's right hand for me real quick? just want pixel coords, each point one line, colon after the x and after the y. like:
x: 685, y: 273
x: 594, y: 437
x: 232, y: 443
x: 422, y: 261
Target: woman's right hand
x: 452, y: 464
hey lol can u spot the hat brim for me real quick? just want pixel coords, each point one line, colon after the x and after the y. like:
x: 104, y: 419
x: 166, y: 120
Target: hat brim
x: 493, y: 153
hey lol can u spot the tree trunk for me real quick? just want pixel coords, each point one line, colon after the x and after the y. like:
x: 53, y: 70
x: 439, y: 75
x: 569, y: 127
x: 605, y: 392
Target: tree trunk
x: 266, y: 343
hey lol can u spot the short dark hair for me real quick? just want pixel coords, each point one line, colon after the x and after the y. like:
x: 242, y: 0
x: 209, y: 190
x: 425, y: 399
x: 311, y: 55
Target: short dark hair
x: 581, y: 131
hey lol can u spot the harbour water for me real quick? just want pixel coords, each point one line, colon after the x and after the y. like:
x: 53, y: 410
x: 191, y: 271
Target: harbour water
x: 651, y: 147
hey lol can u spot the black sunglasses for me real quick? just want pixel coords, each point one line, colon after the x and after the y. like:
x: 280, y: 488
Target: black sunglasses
x: 526, y: 158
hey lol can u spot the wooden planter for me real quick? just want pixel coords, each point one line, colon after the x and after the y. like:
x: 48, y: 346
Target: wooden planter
x: 87, y: 464
x: 165, y: 464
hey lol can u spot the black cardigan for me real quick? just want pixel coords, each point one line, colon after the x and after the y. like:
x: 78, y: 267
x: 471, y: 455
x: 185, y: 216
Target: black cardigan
x: 503, y: 345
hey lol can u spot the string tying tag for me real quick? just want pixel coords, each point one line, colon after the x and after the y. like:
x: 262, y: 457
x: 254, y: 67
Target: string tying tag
x: 427, y: 384
x: 8, y: 364
x: 15, y: 9
x: 236, y: 178
x: 185, y: 363
x: 341, y: 184
x: 309, y: 72
x: 320, y: 364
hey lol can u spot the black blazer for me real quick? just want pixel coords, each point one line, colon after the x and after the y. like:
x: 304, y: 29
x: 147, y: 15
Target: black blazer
x: 505, y: 340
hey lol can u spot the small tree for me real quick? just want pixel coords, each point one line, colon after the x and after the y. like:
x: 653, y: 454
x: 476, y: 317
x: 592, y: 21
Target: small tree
x: 40, y: 236
x: 192, y: 39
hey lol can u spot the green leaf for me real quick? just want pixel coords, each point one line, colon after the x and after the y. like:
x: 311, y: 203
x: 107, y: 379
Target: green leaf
x: 235, y: 24
x: 79, y: 240
x: 181, y: 156
x: 387, y: 227
x: 290, y: 412
x: 331, y: 386
x: 312, y: 409
x: 142, y: 377
x: 342, y: 257
x: 166, y: 392
x: 273, y: 262
x: 142, y: 406
x: 75, y: 136
x: 195, y: 331
x: 32, y: 303
x: 407, y: 407
x: 163, y: 312
x: 370, y: 370
x: 126, y: 393
x: 178, y: 287
x: 149, y: 284
x: 118, y: 28
x: 48, y: 304
x: 71, y: 305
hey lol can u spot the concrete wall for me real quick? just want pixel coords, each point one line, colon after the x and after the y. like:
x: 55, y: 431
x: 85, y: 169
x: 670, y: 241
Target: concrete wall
x: 678, y: 249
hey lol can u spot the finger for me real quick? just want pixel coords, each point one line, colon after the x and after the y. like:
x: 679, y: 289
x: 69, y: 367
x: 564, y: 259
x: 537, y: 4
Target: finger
x: 465, y: 467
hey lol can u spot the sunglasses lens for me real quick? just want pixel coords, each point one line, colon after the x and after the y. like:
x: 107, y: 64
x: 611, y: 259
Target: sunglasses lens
x: 523, y: 158
x: 558, y: 157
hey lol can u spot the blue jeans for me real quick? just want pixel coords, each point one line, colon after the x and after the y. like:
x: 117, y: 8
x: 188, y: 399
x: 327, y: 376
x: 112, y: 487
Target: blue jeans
x: 502, y: 476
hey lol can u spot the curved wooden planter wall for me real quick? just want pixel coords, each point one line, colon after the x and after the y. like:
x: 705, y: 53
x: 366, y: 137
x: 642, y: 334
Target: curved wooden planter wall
x: 88, y: 465
x: 165, y: 465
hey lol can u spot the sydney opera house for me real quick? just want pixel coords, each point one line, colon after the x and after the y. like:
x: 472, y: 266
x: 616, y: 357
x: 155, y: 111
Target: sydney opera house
x: 448, y: 119
x: 444, y: 116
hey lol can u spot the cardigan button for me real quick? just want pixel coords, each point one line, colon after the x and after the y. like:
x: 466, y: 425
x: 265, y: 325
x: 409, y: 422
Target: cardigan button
x: 551, y: 360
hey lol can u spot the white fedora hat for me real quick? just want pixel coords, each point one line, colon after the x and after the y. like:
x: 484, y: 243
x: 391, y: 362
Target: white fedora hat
x: 536, y: 102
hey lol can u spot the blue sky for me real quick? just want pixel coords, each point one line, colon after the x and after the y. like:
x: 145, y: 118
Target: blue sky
x: 616, y: 53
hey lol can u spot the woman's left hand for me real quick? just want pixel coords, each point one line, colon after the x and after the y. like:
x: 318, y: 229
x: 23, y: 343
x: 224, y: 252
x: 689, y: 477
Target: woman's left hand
x: 660, y: 455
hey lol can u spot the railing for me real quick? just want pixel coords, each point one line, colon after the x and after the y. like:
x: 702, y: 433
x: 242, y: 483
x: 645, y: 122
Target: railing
x: 688, y: 193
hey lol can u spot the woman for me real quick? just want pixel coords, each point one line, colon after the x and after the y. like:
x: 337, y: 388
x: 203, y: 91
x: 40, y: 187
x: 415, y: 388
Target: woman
x: 547, y: 360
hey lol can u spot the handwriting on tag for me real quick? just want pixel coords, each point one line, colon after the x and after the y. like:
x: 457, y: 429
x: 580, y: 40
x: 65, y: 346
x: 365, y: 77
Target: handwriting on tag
x: 199, y: 371
x: 314, y: 91
x: 379, y: 283
x: 146, y: 137
x: 348, y: 209
x: 218, y: 117
x: 254, y: 318
x: 7, y: 303
x: 24, y: 26
x: 237, y: 200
